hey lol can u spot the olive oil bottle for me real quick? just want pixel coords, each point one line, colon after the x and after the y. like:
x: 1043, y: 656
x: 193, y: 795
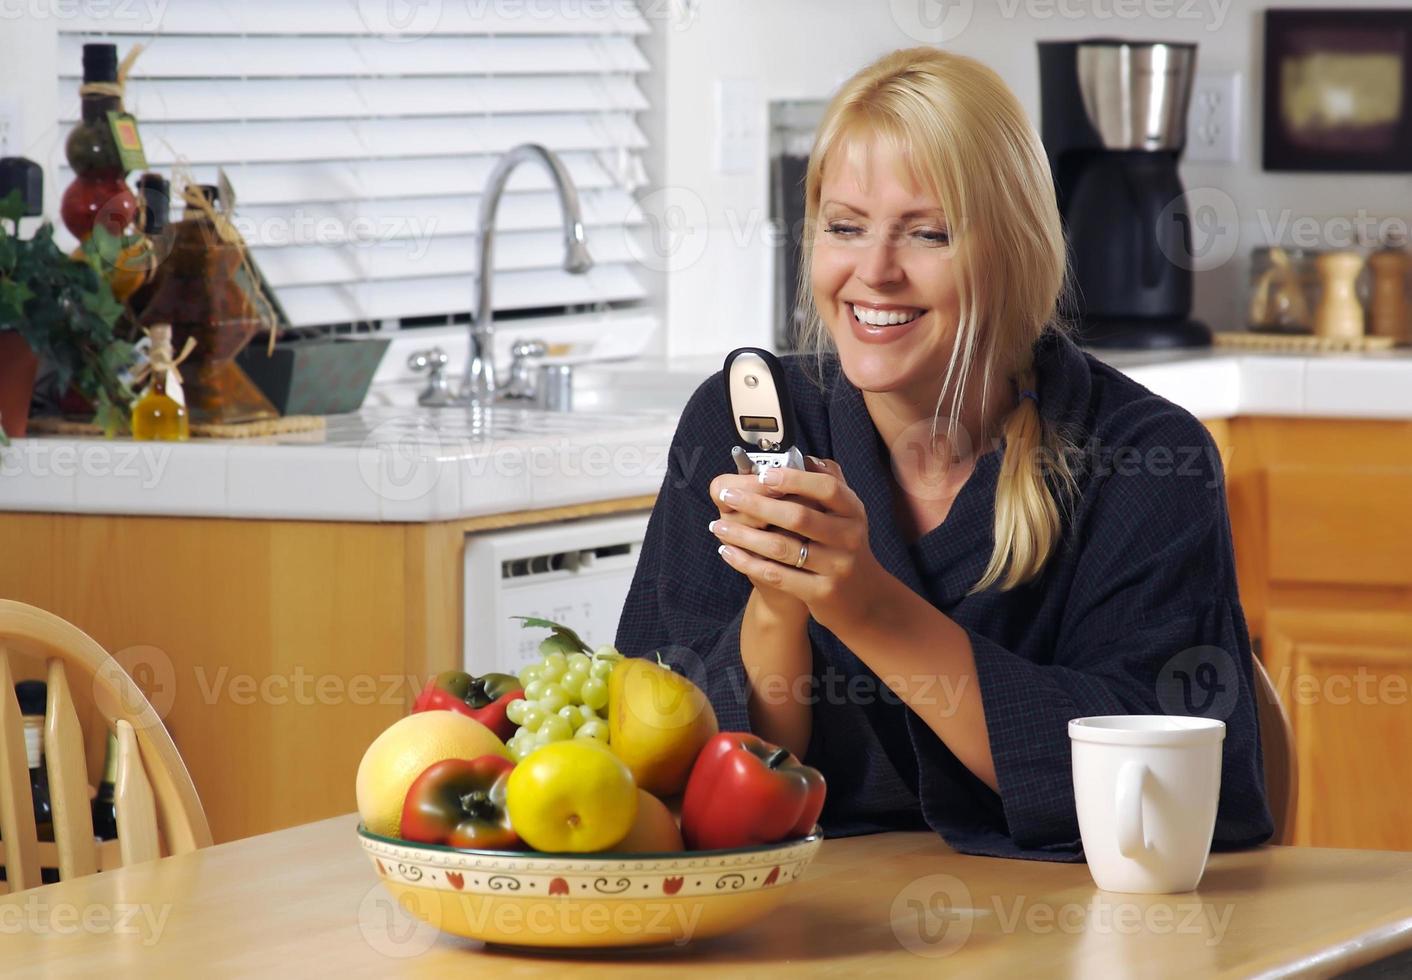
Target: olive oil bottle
x: 160, y: 414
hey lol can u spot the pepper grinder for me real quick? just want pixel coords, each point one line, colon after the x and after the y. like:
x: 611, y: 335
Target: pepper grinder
x: 1339, y: 314
x: 1389, y: 314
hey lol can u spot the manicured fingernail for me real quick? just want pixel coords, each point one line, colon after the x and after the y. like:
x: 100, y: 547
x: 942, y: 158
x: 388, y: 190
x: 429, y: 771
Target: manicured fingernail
x: 717, y: 527
x: 815, y: 461
x: 724, y: 552
x: 771, y: 477
x: 729, y: 496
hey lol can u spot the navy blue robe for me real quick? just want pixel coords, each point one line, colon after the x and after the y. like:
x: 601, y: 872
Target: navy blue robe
x: 1136, y: 612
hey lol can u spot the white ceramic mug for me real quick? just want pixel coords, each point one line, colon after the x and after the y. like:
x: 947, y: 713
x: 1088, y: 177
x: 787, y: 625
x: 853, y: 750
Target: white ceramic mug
x: 1146, y: 788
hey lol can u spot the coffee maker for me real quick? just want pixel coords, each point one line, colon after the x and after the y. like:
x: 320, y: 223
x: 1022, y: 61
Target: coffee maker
x: 1113, y: 120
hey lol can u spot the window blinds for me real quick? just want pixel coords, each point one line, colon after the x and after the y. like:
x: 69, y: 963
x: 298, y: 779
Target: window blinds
x: 358, y: 143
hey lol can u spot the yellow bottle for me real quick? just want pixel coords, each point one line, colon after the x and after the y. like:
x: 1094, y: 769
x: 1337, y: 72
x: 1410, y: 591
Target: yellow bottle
x: 157, y: 415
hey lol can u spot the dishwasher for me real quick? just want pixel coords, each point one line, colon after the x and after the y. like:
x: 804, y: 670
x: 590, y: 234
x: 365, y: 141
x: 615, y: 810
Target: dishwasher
x: 574, y: 572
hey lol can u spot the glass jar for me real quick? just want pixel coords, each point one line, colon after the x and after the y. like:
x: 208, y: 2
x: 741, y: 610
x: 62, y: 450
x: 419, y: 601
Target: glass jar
x: 1283, y: 290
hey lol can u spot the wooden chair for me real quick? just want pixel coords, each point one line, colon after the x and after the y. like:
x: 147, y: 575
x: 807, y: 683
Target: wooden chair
x: 155, y: 798
x: 1277, y: 745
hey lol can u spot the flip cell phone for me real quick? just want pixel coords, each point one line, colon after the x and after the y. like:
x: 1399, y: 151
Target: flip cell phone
x: 759, y: 405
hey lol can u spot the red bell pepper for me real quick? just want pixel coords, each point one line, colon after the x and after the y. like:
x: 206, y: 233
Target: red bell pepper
x: 483, y: 698
x: 461, y: 802
x: 742, y: 790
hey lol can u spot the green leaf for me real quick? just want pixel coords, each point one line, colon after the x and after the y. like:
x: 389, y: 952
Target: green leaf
x: 103, y: 305
x: 104, y: 246
x: 13, y: 297
x: 12, y: 206
x: 559, y: 630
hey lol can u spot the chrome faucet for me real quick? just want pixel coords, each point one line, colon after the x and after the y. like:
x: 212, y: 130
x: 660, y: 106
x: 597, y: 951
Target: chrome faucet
x: 478, y: 386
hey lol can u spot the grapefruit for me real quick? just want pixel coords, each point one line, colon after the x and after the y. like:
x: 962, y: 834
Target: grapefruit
x: 404, y: 751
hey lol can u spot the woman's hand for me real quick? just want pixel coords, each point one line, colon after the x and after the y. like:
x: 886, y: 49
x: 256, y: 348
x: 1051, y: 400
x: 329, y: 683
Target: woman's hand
x: 764, y: 529
x: 773, y: 602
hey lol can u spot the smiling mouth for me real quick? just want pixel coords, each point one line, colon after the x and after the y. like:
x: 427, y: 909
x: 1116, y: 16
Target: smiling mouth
x: 871, y: 317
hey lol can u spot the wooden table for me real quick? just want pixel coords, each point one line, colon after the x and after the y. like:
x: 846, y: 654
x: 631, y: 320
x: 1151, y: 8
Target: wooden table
x: 304, y: 903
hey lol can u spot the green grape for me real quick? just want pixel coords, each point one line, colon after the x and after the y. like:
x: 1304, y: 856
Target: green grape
x: 529, y: 673
x: 587, y: 714
x: 602, y: 668
x: 594, y: 693
x: 572, y: 683
x: 598, y: 728
x: 571, y: 714
x: 515, y: 711
x: 534, y: 690
x: 553, y: 666
x: 553, y: 698
x: 541, y: 737
x: 555, y: 729
x: 534, y: 717
x: 580, y: 661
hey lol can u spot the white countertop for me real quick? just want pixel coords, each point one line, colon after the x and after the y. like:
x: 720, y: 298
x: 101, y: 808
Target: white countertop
x: 379, y: 464
x: 405, y: 463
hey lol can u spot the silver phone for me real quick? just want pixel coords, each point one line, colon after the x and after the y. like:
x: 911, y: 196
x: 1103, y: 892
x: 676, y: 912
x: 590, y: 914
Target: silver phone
x: 759, y: 405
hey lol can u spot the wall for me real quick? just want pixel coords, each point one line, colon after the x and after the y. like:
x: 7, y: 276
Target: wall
x: 804, y: 48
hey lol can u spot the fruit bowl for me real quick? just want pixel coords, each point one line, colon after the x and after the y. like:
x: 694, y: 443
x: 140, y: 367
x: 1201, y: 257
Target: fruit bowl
x: 580, y: 901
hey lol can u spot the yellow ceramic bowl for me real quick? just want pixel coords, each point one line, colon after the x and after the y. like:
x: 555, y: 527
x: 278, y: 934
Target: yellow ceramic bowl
x: 519, y: 898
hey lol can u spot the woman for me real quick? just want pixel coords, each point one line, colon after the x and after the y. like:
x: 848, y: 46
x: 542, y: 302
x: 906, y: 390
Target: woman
x: 995, y: 533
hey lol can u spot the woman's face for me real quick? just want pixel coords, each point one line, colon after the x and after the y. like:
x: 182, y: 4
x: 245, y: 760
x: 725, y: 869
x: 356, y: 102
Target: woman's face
x: 883, y: 275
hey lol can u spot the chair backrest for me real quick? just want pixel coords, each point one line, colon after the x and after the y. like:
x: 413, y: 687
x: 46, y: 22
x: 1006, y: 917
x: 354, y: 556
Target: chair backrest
x: 1277, y: 746
x: 154, y: 796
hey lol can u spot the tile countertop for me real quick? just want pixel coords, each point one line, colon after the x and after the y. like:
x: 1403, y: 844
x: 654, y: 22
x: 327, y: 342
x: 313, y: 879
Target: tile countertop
x: 413, y: 464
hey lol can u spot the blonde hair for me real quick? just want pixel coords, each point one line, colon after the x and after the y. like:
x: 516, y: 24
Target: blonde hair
x: 966, y: 138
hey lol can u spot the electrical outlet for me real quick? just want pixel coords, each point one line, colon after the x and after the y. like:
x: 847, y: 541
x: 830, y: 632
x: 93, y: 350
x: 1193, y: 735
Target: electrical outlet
x: 739, y: 125
x: 1213, y: 118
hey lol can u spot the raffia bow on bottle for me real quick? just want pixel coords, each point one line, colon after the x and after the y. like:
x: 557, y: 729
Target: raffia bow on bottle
x: 160, y: 362
x: 227, y: 233
x: 113, y: 88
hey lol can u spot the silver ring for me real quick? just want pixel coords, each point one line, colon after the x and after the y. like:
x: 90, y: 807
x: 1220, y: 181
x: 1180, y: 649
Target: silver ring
x: 803, y: 554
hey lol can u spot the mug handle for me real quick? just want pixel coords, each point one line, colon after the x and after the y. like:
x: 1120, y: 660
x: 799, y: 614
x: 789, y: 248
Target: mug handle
x: 1132, y: 838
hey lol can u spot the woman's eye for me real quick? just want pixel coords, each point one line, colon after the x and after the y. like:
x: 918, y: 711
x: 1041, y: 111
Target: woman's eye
x: 934, y: 237
x: 842, y: 228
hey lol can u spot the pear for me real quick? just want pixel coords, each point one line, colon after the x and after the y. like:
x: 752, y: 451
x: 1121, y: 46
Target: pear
x: 658, y: 721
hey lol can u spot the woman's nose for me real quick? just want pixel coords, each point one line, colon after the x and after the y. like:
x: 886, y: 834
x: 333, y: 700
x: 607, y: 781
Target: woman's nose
x: 878, y: 265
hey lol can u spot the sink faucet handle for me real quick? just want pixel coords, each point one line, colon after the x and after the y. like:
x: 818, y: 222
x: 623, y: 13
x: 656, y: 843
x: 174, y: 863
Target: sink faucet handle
x: 522, y: 374
x: 432, y: 362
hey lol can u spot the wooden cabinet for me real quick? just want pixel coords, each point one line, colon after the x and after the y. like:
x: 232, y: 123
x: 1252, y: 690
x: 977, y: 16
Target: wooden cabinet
x: 274, y: 651
x: 1321, y: 511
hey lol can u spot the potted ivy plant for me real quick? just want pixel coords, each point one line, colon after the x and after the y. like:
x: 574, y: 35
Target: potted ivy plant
x: 61, y: 310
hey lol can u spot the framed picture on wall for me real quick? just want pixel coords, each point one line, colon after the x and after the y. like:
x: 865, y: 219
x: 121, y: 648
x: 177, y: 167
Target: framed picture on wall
x: 1338, y: 90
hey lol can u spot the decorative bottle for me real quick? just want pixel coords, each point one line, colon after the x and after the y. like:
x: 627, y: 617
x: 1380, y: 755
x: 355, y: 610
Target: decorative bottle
x: 99, y: 190
x: 157, y: 415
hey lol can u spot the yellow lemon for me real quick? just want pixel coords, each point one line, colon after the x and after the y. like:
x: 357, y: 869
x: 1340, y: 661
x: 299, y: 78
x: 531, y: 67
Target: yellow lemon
x: 574, y: 795
x: 404, y: 751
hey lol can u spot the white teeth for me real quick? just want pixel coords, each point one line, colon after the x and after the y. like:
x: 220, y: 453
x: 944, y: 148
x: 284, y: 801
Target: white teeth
x: 884, y: 318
